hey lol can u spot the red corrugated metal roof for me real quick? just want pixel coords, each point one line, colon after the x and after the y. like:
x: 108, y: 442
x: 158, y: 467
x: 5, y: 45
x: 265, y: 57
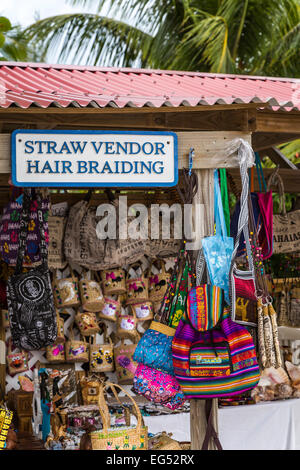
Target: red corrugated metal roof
x: 43, y: 85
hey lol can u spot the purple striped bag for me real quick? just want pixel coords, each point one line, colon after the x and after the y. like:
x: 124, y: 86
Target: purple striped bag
x: 212, y: 355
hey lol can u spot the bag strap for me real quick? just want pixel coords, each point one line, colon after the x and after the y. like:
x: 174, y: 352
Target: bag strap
x: 276, y: 180
x: 24, y: 220
x: 245, y: 155
x: 260, y: 173
x: 224, y: 196
x: 218, y: 208
x: 210, y: 430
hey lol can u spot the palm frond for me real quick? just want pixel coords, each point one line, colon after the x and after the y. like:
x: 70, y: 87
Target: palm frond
x: 90, y: 38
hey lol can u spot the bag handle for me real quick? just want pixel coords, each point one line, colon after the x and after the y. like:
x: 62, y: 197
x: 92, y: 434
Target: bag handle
x: 260, y: 173
x: 107, y: 337
x: 103, y: 408
x: 218, y: 208
x: 133, y: 266
x: 276, y: 180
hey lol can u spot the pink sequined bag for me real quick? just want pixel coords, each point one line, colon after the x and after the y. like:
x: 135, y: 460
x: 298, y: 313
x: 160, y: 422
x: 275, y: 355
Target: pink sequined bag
x: 158, y: 387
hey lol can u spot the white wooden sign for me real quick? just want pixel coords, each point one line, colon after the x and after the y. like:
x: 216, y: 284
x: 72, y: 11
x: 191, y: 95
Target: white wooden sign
x: 93, y: 158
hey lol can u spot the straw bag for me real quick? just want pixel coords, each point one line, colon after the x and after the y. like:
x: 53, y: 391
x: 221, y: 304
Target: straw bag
x: 113, y: 281
x: 137, y: 288
x: 91, y: 294
x: 65, y: 292
x: 124, y: 364
x: 102, y: 355
x: 5, y: 319
x: 158, y: 283
x: 143, y: 311
x: 87, y: 323
x: 126, y: 326
x: 76, y: 350
x: 17, y: 362
x: 60, y: 329
x: 56, y: 257
x: 163, y: 441
x: 90, y: 390
x: 55, y: 353
x: 119, y: 438
x: 111, y: 310
x: 286, y: 225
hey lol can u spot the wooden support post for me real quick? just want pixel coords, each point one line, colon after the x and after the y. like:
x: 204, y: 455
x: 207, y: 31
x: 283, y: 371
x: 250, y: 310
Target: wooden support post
x: 204, y: 196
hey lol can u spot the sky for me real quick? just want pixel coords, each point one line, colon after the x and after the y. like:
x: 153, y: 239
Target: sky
x: 23, y: 11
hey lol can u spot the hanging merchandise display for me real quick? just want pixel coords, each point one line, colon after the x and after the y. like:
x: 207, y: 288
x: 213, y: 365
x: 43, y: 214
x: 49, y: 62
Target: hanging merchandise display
x: 124, y: 364
x: 113, y: 282
x: 11, y: 226
x: 127, y: 325
x: 110, y: 310
x: 218, y: 248
x: 286, y: 225
x: 137, y: 287
x: 17, y: 362
x: 101, y: 355
x: 56, y: 227
x: 65, y: 291
x: 119, y: 438
x: 143, y: 311
x: 87, y: 323
x: 91, y: 293
x: 76, y: 350
x: 158, y: 283
x: 31, y: 308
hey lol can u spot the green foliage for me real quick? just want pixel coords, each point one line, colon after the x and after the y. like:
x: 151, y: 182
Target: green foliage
x: 14, y: 45
x: 230, y: 36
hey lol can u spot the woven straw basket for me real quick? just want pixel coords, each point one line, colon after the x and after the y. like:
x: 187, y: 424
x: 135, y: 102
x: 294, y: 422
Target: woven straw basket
x: 76, y: 350
x: 126, y: 326
x: 87, y: 323
x: 158, y: 284
x: 110, y: 310
x: 143, y: 311
x: 113, y: 282
x: 119, y: 438
x: 55, y: 353
x: 65, y: 292
x: 102, y: 355
x: 163, y: 441
x: 137, y: 288
x: 91, y: 295
x: 125, y: 366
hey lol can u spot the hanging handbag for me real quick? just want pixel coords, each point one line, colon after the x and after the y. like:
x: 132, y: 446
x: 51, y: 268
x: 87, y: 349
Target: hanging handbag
x: 136, y: 288
x: 91, y: 294
x: 124, y: 364
x: 17, y: 362
x: 119, y: 438
x: 143, y: 311
x: 158, y: 387
x: 113, y: 281
x: 87, y: 323
x: 76, y: 350
x: 102, y: 355
x: 218, y: 248
x: 110, y: 310
x: 60, y: 328
x: 55, y: 353
x: 10, y: 229
x: 158, y: 283
x: 56, y: 257
x: 31, y: 308
x: 286, y: 225
x: 127, y: 325
x: 65, y: 291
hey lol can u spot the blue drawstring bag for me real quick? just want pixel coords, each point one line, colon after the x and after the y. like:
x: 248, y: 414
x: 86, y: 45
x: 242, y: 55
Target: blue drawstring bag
x: 218, y: 249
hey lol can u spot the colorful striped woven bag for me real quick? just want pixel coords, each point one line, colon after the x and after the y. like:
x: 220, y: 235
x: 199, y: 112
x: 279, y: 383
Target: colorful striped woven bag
x: 212, y: 355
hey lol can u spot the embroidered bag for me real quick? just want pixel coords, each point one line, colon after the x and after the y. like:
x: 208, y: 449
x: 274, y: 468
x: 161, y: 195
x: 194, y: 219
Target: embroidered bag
x: 124, y: 364
x: 10, y: 229
x: 102, y: 355
x: 31, y: 308
x: 17, y: 362
x: 137, y: 288
x: 158, y: 387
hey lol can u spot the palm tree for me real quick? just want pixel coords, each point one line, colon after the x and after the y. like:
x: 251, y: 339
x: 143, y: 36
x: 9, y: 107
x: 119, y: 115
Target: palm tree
x: 14, y: 45
x: 229, y: 36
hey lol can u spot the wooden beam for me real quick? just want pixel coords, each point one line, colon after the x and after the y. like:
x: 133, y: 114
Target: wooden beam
x: 263, y: 140
x: 290, y: 178
x: 209, y: 149
x: 278, y: 158
x: 210, y: 120
x: 278, y: 121
x: 131, y: 110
